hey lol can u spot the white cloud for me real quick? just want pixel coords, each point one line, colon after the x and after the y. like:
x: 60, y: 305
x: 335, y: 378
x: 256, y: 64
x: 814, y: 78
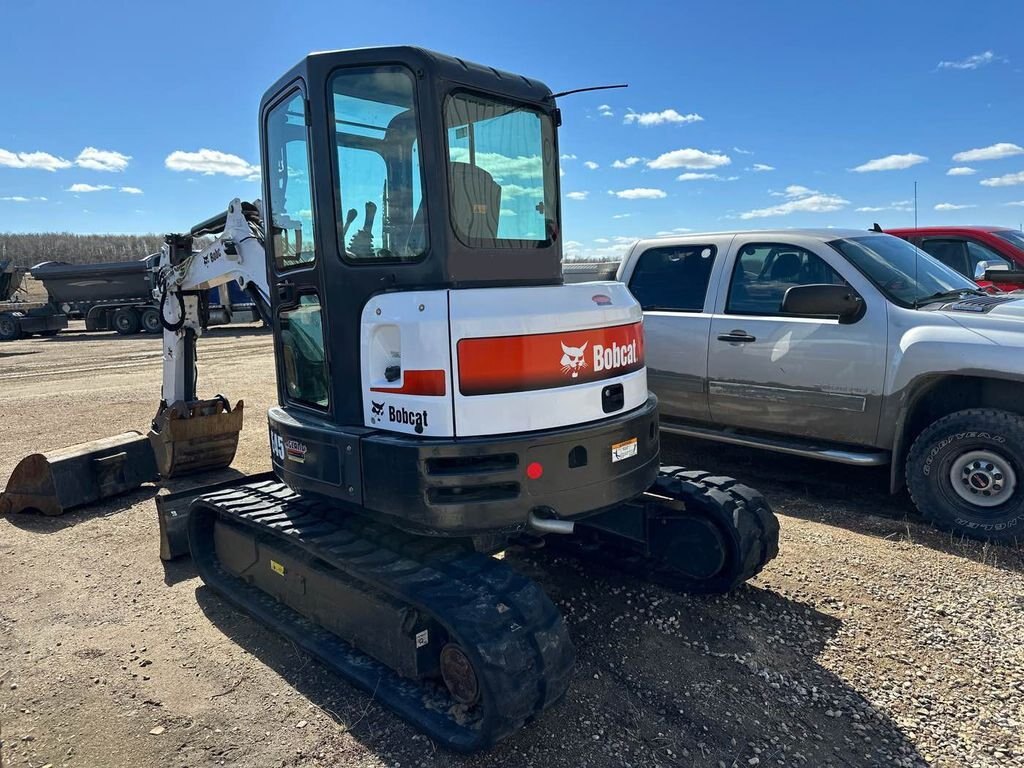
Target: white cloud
x: 961, y: 171
x: 694, y: 176
x: 1016, y: 202
x: 972, y: 62
x: 660, y: 118
x: 801, y: 200
x: 627, y: 163
x: 211, y: 161
x: 640, y: 193
x: 1006, y: 180
x: 577, y: 195
x: 621, y: 215
x: 890, y: 163
x: 40, y: 160
x: 761, y: 168
x: 898, y: 205
x: 131, y: 190
x: 993, y: 152
x: 794, y: 190
x: 605, y: 111
x: 952, y: 207
x: 102, y: 160
x: 568, y: 157
x: 88, y: 187
x: 694, y: 159
x: 739, y: 151
x: 591, y: 165
x: 23, y: 199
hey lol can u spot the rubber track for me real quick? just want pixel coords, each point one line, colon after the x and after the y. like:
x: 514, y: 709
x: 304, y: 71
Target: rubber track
x: 743, y: 517
x: 512, y: 632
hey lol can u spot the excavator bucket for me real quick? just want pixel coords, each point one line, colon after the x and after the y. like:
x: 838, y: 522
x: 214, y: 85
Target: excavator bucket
x: 54, y: 482
x: 195, y: 437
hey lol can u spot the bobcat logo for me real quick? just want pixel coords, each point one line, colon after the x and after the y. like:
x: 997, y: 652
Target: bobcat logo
x: 378, y: 411
x: 573, y: 360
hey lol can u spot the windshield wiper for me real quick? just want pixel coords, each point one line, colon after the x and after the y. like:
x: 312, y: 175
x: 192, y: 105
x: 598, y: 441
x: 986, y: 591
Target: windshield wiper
x: 953, y: 294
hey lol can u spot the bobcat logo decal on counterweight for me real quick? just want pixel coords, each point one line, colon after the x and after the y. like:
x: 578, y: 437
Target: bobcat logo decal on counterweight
x: 378, y: 411
x: 572, y: 358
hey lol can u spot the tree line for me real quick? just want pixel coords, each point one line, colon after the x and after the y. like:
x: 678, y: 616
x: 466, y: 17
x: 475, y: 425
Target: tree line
x: 27, y: 250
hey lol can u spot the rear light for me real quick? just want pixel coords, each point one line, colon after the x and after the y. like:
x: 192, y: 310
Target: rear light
x: 534, y: 470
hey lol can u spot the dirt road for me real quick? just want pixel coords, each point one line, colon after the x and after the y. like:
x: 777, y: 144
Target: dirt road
x: 872, y: 640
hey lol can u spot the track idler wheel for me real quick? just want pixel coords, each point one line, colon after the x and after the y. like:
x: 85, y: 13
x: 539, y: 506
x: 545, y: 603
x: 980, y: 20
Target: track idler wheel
x: 690, y: 531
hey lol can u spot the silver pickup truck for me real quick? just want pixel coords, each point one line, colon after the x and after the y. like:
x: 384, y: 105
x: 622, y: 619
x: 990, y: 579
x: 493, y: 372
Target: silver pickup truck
x: 848, y: 346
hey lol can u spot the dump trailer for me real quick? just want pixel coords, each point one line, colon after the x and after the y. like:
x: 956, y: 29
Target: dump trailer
x: 443, y: 393
x: 18, y: 317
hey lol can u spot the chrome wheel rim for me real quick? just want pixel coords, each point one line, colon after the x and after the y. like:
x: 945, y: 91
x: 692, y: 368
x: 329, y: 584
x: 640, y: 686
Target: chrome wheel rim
x: 983, y: 478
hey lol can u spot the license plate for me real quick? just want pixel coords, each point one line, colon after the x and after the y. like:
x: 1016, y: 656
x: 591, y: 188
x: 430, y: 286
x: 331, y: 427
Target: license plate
x: 624, y: 450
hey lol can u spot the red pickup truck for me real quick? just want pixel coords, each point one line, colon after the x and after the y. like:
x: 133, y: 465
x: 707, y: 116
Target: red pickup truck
x: 964, y: 248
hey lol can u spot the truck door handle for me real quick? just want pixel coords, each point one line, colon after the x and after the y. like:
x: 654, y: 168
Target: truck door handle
x: 736, y: 337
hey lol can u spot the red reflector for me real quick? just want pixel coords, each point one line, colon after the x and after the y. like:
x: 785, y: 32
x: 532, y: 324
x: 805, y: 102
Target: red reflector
x: 431, y: 383
x: 534, y: 470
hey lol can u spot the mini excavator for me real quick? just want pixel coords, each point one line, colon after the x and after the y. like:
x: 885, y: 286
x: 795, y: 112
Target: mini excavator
x: 442, y: 395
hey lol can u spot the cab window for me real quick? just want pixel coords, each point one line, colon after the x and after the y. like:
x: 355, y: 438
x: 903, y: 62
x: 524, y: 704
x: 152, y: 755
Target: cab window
x: 302, y: 347
x: 673, y: 279
x: 765, y: 271
x: 291, y: 194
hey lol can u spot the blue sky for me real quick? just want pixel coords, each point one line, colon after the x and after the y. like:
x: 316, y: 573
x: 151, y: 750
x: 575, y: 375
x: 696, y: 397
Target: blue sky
x: 120, y: 99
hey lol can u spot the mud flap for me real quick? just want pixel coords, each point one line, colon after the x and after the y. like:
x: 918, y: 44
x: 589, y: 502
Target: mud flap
x: 196, y: 436
x: 55, y: 482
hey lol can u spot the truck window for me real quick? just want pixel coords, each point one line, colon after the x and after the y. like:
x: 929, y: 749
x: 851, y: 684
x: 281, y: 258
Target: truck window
x: 951, y: 252
x: 291, y: 191
x: 302, y: 344
x: 673, y: 279
x: 765, y: 271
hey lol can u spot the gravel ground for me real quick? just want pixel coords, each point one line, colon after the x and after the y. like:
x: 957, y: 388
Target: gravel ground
x: 871, y: 640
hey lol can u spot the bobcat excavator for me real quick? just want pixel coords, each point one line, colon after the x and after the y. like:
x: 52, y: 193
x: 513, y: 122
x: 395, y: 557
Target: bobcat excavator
x: 442, y: 394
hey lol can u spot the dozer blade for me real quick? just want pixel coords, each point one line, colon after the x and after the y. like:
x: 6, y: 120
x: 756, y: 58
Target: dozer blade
x: 54, y: 482
x: 196, y: 436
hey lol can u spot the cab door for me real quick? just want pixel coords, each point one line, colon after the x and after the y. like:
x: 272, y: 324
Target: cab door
x: 799, y: 376
x: 294, y: 261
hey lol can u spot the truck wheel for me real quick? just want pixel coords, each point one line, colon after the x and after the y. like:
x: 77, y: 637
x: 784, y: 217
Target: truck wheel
x: 966, y: 473
x: 151, y: 320
x: 126, y: 321
x: 10, y: 329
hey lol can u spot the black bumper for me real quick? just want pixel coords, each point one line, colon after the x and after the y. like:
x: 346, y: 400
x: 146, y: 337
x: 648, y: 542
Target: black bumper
x: 480, y: 485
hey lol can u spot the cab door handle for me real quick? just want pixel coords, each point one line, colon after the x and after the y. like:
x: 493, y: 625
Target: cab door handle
x: 736, y: 337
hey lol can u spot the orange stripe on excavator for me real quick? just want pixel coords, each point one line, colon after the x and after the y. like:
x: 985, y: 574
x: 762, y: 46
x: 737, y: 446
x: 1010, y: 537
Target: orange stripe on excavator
x: 500, y: 364
x: 428, y: 383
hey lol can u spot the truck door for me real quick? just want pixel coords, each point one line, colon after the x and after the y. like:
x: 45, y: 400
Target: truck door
x: 799, y: 376
x: 671, y: 283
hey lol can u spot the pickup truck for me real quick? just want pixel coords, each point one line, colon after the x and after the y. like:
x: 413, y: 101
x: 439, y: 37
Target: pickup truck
x: 992, y: 256
x: 844, y: 345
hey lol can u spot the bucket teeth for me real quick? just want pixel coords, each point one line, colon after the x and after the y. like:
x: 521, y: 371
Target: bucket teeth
x: 57, y: 481
x: 195, y: 436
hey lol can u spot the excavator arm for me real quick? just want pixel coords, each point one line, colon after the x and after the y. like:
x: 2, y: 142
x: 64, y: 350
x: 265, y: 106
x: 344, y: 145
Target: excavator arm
x: 188, y: 433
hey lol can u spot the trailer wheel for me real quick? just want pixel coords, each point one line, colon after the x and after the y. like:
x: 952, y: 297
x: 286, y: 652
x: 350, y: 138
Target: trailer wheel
x: 151, y: 320
x: 10, y: 328
x: 126, y: 321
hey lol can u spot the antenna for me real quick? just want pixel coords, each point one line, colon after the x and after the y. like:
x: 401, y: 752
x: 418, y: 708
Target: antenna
x: 589, y: 88
x: 915, y: 205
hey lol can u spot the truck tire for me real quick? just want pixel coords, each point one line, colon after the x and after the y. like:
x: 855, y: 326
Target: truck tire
x: 126, y: 321
x: 151, y: 320
x: 10, y: 328
x: 965, y: 473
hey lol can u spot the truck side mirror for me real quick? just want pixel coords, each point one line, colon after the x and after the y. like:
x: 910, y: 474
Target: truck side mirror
x: 1002, y: 274
x: 839, y: 302
x: 983, y: 268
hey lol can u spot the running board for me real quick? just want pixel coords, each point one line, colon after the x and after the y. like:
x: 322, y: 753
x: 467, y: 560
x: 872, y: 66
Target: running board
x: 851, y: 457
